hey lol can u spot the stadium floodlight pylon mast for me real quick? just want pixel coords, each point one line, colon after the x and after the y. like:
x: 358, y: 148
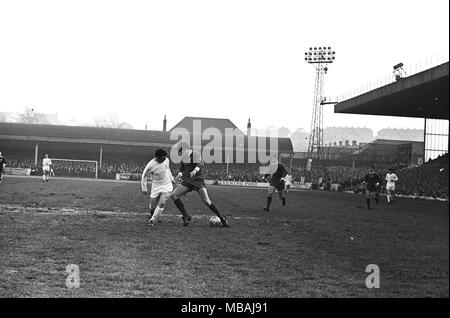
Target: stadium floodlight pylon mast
x: 319, y: 57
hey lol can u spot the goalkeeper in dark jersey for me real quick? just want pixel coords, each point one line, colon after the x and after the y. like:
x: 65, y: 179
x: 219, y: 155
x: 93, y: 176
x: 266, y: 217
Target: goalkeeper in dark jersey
x: 192, y: 180
x: 372, y: 182
x: 277, y: 173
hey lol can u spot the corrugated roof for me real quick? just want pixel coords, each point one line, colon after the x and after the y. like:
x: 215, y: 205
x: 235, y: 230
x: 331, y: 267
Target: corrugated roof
x: 78, y: 132
x: 219, y: 123
x: 113, y: 135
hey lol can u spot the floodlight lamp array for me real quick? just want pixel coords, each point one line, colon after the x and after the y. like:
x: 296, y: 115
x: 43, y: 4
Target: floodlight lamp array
x: 321, y: 54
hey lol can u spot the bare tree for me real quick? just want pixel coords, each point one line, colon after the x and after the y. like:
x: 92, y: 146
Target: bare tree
x: 300, y: 140
x: 284, y: 132
x: 30, y: 116
x: 111, y: 121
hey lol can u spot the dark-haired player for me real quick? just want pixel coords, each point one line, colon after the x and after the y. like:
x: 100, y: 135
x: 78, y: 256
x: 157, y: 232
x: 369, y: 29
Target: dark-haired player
x: 162, y: 183
x: 192, y: 180
x: 2, y: 165
x: 372, y: 182
x: 277, y: 174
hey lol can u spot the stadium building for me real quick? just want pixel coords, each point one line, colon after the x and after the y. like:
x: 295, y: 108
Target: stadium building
x: 421, y: 95
x: 389, y: 153
x: 109, y: 152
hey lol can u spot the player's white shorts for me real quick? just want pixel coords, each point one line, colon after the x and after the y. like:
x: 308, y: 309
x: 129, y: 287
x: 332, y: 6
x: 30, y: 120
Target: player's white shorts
x: 46, y: 168
x: 157, y: 190
x: 390, y: 186
x: 287, y: 186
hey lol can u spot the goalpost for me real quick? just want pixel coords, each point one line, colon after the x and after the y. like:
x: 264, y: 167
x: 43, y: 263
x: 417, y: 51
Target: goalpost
x: 80, y: 161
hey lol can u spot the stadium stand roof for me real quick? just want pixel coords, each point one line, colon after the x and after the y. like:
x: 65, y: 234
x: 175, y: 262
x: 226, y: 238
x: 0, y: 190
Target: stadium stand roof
x: 106, y: 136
x: 284, y: 144
x: 77, y: 134
x: 422, y: 95
x: 218, y: 123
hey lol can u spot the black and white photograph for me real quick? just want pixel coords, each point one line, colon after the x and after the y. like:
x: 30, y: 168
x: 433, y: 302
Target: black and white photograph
x: 224, y: 154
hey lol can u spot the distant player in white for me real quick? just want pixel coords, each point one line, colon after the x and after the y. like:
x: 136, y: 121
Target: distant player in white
x: 391, y: 178
x: 162, y: 183
x: 287, y: 183
x: 46, y: 168
x: 2, y: 165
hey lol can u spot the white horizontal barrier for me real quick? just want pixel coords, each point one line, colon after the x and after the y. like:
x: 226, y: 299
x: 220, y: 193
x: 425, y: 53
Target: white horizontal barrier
x: 17, y: 171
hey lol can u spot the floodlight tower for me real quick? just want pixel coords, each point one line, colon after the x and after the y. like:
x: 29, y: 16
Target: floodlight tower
x: 319, y: 57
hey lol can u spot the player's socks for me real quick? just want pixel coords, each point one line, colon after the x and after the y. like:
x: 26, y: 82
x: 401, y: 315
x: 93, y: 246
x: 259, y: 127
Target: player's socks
x: 223, y: 219
x: 269, y: 202
x: 284, y: 201
x: 155, y: 215
x: 368, y: 203
x: 213, y: 208
x: 180, y: 206
x: 151, y: 212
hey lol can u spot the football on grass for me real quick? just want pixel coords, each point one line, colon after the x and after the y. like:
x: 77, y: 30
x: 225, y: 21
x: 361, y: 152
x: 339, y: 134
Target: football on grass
x: 214, y: 221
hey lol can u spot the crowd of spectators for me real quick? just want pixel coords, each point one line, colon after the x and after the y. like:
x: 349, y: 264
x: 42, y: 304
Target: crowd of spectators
x: 234, y: 172
x: 111, y: 166
x: 430, y: 179
x: 18, y: 159
x: 73, y: 168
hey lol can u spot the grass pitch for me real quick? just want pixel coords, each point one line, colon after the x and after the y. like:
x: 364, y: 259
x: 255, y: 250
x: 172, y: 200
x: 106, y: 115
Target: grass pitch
x: 317, y: 246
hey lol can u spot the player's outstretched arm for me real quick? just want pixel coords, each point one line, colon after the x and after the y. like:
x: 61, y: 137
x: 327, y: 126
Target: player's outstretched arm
x: 195, y: 171
x: 197, y: 159
x: 144, y: 178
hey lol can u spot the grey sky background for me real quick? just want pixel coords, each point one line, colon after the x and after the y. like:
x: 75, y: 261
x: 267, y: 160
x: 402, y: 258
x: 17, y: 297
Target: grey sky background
x: 228, y: 59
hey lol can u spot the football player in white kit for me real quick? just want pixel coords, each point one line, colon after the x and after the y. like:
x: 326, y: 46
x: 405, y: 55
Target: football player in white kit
x: 391, y: 178
x: 287, y: 183
x: 2, y: 165
x: 46, y: 168
x: 162, y: 183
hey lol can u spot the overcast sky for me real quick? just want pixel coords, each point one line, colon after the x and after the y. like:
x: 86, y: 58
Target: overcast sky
x: 227, y: 59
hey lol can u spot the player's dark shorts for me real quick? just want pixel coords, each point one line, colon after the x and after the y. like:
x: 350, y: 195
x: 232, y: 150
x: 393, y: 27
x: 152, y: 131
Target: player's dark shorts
x: 372, y: 191
x: 194, y: 184
x: 278, y: 185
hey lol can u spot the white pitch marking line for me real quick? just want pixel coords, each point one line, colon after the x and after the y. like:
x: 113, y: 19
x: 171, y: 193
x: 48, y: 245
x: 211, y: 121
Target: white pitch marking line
x: 70, y: 211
